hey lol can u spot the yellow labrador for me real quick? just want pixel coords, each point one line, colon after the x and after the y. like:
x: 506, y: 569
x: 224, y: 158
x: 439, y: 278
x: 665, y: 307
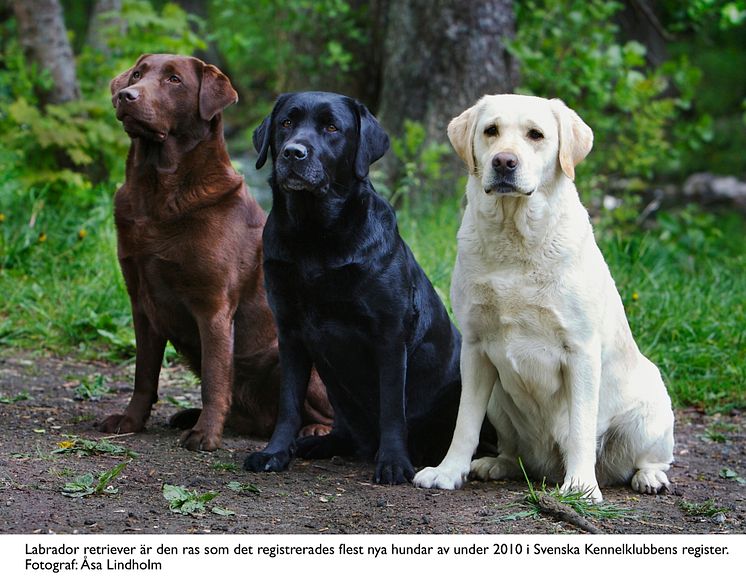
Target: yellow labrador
x: 547, y: 351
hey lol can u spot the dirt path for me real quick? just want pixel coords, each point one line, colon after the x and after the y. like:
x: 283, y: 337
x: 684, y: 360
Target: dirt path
x: 313, y: 497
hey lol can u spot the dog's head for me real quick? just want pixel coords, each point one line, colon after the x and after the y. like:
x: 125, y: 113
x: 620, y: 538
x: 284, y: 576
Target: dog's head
x: 165, y: 94
x: 514, y: 144
x: 319, y: 140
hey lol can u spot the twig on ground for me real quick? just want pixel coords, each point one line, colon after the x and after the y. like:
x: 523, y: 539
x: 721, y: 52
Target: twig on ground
x: 551, y: 506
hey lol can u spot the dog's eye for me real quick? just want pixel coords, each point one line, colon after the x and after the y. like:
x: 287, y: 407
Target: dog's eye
x: 174, y: 79
x: 287, y: 123
x: 331, y: 129
x: 136, y: 75
x: 491, y: 131
x: 535, y: 135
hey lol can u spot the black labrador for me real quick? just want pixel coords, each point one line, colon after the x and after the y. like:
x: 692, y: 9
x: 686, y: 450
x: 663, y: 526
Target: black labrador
x: 349, y: 297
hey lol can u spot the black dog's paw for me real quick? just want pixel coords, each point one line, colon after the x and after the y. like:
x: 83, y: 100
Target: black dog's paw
x: 267, y: 461
x: 394, y: 472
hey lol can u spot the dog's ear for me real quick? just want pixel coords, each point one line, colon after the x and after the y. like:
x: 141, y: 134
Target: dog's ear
x: 263, y: 133
x: 461, y: 134
x: 215, y: 93
x: 575, y: 137
x: 372, y: 143
x: 120, y: 81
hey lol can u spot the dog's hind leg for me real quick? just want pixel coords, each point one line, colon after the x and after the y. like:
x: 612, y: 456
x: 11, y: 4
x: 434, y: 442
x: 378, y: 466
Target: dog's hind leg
x: 184, y: 419
x: 655, y: 451
x: 336, y: 443
x: 640, y: 445
x: 504, y: 465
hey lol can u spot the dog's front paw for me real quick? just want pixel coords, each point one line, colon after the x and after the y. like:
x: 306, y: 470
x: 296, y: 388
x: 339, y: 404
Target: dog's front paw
x: 587, y: 486
x: 494, y: 468
x: 121, y: 424
x: 267, y: 461
x: 197, y: 439
x: 650, y: 481
x: 439, y: 477
x: 393, y: 471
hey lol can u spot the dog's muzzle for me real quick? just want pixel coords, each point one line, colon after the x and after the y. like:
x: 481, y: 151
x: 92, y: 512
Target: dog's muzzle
x: 504, y: 169
x: 298, y: 170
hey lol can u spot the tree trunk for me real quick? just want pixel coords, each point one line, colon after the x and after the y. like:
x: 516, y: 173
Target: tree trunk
x: 440, y: 57
x: 105, y: 13
x: 41, y: 30
x: 638, y: 21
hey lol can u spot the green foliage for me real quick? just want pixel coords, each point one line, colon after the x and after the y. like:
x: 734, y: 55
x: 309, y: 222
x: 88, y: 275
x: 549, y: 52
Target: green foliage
x: 186, y: 502
x: 224, y: 466
x: 240, y: 487
x: 683, y: 288
x: 571, y: 50
x: 272, y: 46
x: 578, y: 501
x: 179, y: 403
x: 20, y: 397
x: 60, y: 149
x: 85, y: 447
x: 718, y: 432
x: 61, y: 289
x: 430, y: 231
x: 58, y: 168
x: 708, y: 508
x: 424, y: 173
x: 89, y: 484
x: 92, y: 388
x: 704, y: 15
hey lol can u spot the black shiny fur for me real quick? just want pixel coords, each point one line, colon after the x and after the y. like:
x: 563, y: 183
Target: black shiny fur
x: 349, y: 297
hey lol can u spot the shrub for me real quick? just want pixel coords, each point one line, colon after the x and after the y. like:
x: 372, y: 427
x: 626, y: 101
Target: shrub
x: 62, y: 149
x: 273, y: 46
x: 639, y: 114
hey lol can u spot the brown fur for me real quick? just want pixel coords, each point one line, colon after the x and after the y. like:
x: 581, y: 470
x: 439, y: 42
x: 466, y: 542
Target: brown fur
x: 190, y: 249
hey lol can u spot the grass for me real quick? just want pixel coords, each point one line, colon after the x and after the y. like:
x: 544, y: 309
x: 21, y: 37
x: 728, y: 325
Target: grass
x: 684, y: 289
x: 578, y: 501
x: 62, y: 290
x: 683, y: 284
x: 706, y: 508
x: 223, y: 466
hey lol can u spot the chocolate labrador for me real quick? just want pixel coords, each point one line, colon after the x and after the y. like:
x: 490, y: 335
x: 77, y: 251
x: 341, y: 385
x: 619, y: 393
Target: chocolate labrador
x: 190, y: 249
x: 349, y: 297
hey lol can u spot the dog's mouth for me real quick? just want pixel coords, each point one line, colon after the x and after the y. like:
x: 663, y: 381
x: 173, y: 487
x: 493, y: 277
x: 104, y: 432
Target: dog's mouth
x: 138, y: 128
x: 314, y: 183
x: 505, y: 188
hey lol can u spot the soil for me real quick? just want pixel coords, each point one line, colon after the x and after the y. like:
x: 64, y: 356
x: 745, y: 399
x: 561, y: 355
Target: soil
x: 330, y: 496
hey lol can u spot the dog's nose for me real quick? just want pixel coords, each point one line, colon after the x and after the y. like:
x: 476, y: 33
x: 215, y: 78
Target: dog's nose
x: 505, y: 163
x: 295, y: 150
x: 128, y: 94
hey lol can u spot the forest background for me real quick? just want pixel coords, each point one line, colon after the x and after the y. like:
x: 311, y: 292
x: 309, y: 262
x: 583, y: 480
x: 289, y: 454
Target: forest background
x: 661, y: 82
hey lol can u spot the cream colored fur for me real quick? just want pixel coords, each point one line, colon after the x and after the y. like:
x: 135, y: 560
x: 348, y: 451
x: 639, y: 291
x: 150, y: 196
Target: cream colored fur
x: 547, y: 351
